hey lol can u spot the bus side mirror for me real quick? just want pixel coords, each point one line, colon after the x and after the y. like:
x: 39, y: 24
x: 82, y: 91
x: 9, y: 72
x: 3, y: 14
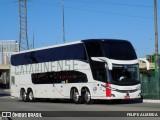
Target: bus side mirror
x: 146, y: 61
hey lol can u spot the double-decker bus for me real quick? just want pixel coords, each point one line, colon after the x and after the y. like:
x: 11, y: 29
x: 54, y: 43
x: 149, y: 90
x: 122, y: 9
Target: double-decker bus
x: 86, y: 70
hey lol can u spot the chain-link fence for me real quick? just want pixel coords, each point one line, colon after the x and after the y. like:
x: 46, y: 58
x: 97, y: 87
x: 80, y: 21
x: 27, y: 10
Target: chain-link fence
x: 150, y: 87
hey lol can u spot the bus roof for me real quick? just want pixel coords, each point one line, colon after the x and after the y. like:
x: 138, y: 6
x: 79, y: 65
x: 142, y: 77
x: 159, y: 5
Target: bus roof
x: 43, y: 48
x: 70, y: 43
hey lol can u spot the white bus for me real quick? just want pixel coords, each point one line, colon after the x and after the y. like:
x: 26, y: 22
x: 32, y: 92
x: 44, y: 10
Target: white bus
x: 87, y: 70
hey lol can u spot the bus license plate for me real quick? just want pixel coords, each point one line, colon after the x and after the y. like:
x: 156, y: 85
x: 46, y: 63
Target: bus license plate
x: 126, y: 97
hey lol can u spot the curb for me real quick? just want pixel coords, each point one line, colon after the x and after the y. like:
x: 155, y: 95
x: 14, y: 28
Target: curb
x: 151, y: 101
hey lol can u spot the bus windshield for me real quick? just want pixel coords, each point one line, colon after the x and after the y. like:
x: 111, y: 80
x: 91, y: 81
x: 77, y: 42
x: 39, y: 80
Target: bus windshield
x: 124, y: 74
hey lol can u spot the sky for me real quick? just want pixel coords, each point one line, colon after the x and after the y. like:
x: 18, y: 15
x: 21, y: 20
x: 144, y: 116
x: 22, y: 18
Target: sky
x: 131, y: 20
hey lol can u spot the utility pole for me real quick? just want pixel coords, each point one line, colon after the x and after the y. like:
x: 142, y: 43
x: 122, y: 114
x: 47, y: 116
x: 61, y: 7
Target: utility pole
x: 63, y: 25
x: 156, y: 32
x: 23, y: 36
x: 33, y: 40
x: 2, y: 55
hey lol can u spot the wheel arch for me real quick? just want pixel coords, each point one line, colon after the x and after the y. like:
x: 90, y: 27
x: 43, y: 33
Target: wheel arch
x: 71, y: 90
x: 29, y: 89
x: 84, y: 88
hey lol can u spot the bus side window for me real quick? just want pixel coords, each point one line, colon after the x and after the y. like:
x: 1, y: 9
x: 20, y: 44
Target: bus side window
x: 99, y: 71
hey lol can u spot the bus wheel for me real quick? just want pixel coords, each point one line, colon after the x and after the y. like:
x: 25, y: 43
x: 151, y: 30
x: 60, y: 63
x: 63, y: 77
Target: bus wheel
x: 75, y: 96
x: 23, y: 95
x: 87, y: 97
x: 31, y: 96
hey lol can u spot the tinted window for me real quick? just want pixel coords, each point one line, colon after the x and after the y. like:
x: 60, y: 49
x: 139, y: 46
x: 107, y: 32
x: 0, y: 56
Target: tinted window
x: 94, y: 48
x: 59, y: 77
x: 98, y: 71
x: 119, y: 50
x: 70, y: 52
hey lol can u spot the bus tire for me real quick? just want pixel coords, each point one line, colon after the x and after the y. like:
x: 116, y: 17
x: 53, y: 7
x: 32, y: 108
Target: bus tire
x: 23, y: 95
x: 87, y: 97
x: 75, y: 96
x: 30, y: 96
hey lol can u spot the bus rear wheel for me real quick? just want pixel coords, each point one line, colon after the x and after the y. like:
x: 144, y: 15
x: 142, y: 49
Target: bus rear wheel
x: 23, y: 95
x: 75, y: 96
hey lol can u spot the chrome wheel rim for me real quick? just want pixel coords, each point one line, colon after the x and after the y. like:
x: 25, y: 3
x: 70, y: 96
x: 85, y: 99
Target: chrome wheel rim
x: 31, y: 95
x: 75, y: 96
x: 87, y: 96
x: 24, y: 95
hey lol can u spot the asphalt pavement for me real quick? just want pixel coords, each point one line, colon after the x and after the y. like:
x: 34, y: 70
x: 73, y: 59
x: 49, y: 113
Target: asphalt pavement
x: 13, y: 104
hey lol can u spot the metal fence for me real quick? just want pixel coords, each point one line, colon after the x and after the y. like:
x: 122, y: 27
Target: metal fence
x: 150, y: 87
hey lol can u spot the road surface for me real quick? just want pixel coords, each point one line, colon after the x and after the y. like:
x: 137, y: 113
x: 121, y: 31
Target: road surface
x: 13, y: 104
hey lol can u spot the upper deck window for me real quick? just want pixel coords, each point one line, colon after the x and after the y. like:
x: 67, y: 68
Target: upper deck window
x: 69, y: 52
